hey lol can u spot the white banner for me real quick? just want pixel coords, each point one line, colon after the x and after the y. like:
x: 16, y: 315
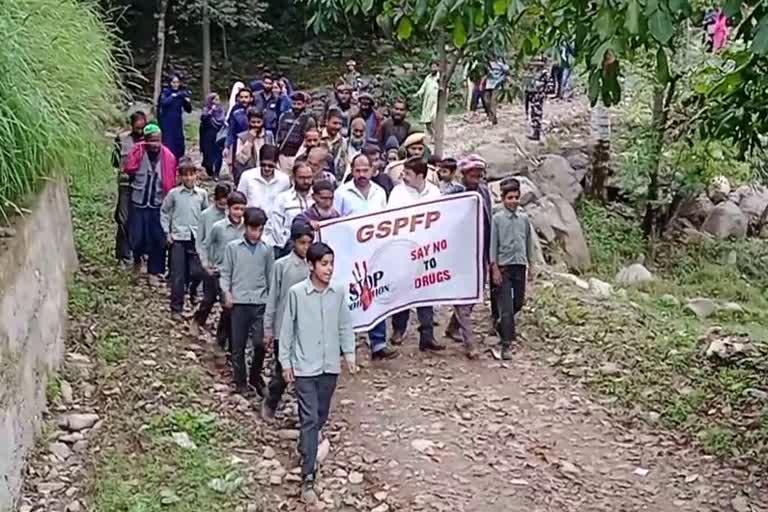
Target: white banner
x: 421, y: 255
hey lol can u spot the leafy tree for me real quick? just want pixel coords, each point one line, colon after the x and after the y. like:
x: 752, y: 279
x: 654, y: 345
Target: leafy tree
x: 457, y: 30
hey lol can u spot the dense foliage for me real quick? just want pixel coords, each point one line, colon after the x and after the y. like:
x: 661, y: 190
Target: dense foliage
x: 57, y: 75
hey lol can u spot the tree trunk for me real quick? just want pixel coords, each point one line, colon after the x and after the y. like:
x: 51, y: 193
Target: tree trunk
x: 224, y: 43
x: 601, y: 152
x: 160, y: 51
x: 662, y: 99
x: 206, y: 49
x: 447, y: 68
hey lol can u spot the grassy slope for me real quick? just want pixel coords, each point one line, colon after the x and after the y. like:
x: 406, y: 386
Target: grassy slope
x: 661, y: 372
x: 139, y: 469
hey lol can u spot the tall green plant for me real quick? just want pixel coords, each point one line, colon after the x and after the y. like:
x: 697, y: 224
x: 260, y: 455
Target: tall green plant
x: 58, y: 83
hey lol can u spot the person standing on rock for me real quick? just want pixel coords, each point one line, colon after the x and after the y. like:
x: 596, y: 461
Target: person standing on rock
x: 211, y: 144
x: 123, y: 144
x: 396, y: 126
x: 512, y: 256
x: 223, y: 232
x: 498, y: 71
x: 245, y: 277
x: 415, y: 189
x: 535, y: 92
x: 428, y: 92
x: 180, y: 216
x: 173, y: 101
x: 316, y: 332
x: 291, y: 128
x: 289, y: 270
x: 362, y: 195
x: 152, y: 170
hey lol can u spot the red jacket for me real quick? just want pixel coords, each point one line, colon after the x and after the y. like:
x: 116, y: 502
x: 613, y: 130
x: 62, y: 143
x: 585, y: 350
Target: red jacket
x: 167, y: 164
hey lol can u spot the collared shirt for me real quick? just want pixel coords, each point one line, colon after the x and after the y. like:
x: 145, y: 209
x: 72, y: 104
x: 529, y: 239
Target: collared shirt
x: 181, y: 212
x: 260, y: 192
x: 288, y: 205
x: 403, y: 195
x: 208, y: 218
x: 511, y: 238
x: 222, y: 233
x: 395, y: 171
x: 350, y: 201
x: 247, y: 271
x: 288, y: 271
x: 316, y: 329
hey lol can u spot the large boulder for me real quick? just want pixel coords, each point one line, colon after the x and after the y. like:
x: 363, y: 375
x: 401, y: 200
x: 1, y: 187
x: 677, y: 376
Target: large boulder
x: 555, y: 176
x: 752, y: 201
x: 556, y: 222
x: 635, y: 273
x: 696, y: 209
x: 726, y: 221
x: 529, y: 192
x: 503, y: 160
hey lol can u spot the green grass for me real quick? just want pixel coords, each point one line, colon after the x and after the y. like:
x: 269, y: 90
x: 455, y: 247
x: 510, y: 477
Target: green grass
x: 613, y: 239
x: 199, y: 425
x: 57, y: 75
x: 52, y: 388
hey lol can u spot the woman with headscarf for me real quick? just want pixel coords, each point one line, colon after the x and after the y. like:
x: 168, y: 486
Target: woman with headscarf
x: 173, y: 101
x: 239, y: 86
x: 211, y: 144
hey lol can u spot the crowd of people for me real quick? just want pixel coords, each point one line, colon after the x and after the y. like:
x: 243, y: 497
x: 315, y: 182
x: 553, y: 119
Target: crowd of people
x: 252, y: 244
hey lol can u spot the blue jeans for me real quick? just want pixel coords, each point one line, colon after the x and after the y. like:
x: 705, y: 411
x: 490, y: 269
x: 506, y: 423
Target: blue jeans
x: 378, y: 336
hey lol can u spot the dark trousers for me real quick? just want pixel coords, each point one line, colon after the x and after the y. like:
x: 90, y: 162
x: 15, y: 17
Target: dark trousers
x: 489, y: 100
x: 212, y: 160
x: 184, y: 264
x: 477, y: 98
x: 426, y: 323
x: 247, y: 323
x: 147, y: 238
x: 277, y: 385
x: 122, y: 216
x: 534, y: 109
x: 211, y: 295
x: 314, y: 395
x: 510, y: 298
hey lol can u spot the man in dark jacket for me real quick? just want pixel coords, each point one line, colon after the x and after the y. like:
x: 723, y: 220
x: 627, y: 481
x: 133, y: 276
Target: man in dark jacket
x: 272, y: 102
x: 395, y: 126
x: 372, y: 117
x: 291, y: 128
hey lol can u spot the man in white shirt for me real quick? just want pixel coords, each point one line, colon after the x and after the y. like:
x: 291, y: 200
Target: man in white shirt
x: 415, y: 189
x: 361, y: 195
x: 262, y: 184
x: 288, y: 205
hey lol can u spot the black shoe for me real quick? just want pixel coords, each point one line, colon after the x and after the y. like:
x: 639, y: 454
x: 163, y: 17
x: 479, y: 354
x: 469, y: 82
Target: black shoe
x: 506, y: 353
x: 536, y: 137
x: 431, y: 345
x: 259, y: 385
x: 267, y: 412
x: 385, y: 353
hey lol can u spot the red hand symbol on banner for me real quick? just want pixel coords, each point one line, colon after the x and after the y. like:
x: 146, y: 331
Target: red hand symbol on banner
x: 366, y: 294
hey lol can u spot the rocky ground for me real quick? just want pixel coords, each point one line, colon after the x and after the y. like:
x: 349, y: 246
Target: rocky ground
x: 144, y: 418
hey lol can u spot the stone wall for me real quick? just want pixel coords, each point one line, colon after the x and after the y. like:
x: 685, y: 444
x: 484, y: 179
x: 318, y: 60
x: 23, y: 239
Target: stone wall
x: 35, y: 264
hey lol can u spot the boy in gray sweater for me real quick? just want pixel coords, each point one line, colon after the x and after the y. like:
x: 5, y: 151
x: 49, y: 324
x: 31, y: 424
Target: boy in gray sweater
x: 245, y: 276
x: 289, y: 270
x: 316, y: 329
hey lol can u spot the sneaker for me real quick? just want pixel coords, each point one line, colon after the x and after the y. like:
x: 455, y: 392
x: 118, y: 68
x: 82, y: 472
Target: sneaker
x: 308, y: 494
x: 506, y: 353
x: 397, y: 338
x: 267, y: 412
x: 431, y: 345
x: 385, y: 353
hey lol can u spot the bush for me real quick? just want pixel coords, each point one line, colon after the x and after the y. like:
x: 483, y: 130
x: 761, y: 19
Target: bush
x: 58, y: 77
x: 613, y: 239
